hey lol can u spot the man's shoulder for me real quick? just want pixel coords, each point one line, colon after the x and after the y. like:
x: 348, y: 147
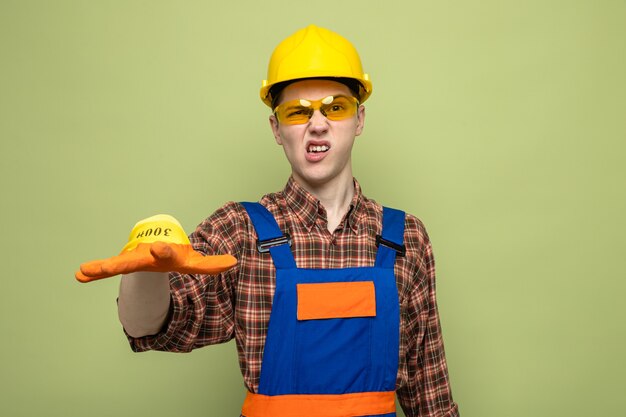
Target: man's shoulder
x: 229, y: 214
x: 415, y: 235
x: 234, y: 213
x: 411, y: 221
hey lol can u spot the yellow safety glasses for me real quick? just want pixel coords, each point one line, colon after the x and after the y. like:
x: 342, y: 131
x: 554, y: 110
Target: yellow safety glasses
x: 297, y: 112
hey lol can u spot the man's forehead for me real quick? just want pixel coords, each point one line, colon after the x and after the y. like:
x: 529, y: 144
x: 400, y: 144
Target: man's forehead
x: 314, y: 90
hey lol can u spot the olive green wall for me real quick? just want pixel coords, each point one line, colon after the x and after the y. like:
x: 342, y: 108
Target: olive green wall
x: 500, y: 123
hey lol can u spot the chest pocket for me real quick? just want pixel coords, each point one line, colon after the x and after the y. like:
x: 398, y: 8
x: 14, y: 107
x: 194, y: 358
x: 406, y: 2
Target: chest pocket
x: 336, y: 312
x: 331, y: 300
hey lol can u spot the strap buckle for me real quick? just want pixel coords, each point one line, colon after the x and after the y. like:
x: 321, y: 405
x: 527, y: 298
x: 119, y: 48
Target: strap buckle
x: 264, y: 246
x: 400, y: 249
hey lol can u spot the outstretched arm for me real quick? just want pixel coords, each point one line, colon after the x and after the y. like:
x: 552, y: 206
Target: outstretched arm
x: 156, y: 246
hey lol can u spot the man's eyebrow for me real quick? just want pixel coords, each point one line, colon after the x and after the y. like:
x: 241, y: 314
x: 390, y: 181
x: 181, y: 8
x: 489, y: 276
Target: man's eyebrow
x: 294, y: 106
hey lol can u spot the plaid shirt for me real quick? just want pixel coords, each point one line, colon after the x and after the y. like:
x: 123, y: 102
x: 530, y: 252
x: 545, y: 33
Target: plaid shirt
x: 207, y: 310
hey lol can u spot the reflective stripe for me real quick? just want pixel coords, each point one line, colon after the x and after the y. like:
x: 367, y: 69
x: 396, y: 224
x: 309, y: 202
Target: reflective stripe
x: 302, y: 405
x: 329, y: 300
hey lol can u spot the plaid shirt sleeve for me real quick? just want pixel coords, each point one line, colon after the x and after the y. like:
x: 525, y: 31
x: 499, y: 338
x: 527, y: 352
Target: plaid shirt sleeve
x: 424, y: 386
x: 201, y: 308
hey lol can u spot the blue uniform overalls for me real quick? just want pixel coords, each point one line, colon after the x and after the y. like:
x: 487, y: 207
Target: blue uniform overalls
x: 320, y: 365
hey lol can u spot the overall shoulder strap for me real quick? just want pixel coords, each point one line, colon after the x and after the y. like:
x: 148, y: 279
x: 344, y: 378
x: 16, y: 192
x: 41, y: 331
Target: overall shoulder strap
x: 270, y: 238
x: 391, y: 241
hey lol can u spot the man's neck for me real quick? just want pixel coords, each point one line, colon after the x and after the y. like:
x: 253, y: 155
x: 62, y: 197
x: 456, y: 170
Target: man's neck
x: 335, y: 197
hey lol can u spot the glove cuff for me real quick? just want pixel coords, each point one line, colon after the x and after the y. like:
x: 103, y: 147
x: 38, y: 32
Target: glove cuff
x: 162, y: 227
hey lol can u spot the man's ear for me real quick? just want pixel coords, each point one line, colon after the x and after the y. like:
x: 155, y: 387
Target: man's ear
x: 360, y: 119
x: 274, y: 125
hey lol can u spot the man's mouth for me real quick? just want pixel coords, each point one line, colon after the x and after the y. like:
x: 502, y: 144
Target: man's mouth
x: 317, y: 148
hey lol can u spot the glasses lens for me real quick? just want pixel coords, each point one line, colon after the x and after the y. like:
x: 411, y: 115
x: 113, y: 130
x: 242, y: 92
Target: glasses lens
x: 300, y: 111
x: 340, y: 108
x: 292, y: 113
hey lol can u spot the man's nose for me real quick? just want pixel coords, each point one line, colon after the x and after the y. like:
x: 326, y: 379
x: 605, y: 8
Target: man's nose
x: 318, y: 123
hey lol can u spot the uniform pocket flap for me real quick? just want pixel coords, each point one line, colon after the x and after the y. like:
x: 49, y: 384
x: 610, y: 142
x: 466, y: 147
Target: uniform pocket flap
x: 336, y: 300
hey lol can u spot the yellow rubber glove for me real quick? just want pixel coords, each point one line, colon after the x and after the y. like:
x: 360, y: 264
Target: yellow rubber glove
x: 156, y: 244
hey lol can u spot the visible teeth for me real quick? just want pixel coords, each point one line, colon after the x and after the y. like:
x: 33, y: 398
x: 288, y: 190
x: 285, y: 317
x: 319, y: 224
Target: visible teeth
x: 322, y: 148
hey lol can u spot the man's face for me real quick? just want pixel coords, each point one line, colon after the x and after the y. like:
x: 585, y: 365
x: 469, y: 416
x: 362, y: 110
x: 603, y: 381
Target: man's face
x: 320, y: 150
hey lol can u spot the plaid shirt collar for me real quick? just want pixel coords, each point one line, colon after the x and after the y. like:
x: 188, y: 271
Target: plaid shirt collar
x: 310, y: 210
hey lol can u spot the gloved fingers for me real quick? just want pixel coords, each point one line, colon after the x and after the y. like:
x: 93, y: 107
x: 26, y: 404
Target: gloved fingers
x: 166, y: 253
x: 156, y: 257
x: 84, y: 278
x: 138, y: 259
x: 210, y: 264
x: 93, y: 270
x: 184, y: 259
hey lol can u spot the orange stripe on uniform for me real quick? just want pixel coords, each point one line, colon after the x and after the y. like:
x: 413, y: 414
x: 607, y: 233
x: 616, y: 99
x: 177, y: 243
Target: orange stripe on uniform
x: 329, y: 405
x: 336, y: 300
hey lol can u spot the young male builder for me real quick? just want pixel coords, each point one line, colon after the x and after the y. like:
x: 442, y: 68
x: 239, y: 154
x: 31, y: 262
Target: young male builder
x: 332, y: 299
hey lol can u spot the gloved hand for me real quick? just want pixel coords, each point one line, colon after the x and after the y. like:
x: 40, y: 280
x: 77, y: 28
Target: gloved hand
x: 156, y: 244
